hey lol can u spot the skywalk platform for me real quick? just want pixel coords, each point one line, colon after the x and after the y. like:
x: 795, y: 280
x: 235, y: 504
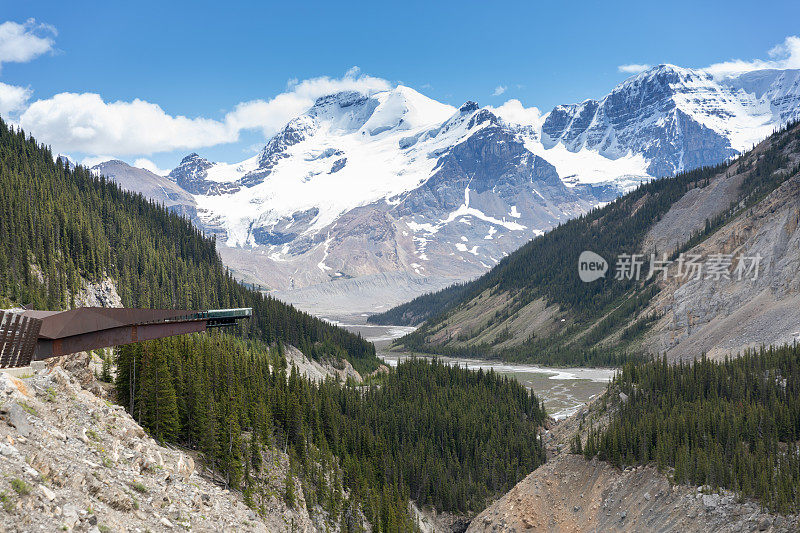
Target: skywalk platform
x: 29, y: 335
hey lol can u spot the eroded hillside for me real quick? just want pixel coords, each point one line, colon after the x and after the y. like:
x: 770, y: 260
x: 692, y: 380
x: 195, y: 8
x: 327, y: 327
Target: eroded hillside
x: 71, y: 460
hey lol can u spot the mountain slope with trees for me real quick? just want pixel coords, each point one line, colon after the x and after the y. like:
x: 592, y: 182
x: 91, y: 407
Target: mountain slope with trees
x: 61, y: 226
x: 421, y: 433
x: 533, y: 306
x: 732, y: 424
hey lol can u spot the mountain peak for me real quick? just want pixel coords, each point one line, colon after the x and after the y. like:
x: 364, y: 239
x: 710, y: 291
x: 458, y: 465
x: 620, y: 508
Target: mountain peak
x: 404, y: 108
x: 469, y: 106
x: 665, y: 73
x: 194, y: 156
x: 111, y: 162
x: 340, y: 98
x: 668, y: 67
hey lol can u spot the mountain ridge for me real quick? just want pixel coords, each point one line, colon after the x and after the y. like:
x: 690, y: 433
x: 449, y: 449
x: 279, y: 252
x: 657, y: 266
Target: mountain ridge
x: 533, y: 305
x: 453, y: 191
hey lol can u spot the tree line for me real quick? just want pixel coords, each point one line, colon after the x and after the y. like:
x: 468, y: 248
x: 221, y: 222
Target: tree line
x: 732, y: 424
x: 446, y: 437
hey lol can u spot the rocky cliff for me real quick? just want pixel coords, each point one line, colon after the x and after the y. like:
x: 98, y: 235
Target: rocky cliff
x: 75, y: 462
x: 571, y: 494
x: 723, y: 316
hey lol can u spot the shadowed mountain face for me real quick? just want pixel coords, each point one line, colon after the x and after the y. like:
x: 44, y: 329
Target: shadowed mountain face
x: 678, y: 119
x: 394, y: 182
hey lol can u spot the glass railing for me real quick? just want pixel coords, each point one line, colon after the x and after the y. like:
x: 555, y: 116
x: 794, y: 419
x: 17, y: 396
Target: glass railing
x: 211, y: 314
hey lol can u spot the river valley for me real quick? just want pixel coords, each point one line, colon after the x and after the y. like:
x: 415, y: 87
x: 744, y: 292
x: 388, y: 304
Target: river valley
x: 563, y: 390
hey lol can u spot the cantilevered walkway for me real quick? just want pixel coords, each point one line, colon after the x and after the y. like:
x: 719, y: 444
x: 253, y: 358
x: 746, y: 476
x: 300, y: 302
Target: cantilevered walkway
x: 27, y: 335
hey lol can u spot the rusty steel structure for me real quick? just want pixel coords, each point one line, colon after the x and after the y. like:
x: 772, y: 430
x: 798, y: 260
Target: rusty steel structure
x: 27, y: 335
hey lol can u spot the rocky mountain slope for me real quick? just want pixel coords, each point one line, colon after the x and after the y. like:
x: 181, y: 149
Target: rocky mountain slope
x: 734, y: 212
x: 72, y: 461
x: 718, y: 317
x: 571, y: 494
x: 149, y: 185
x: 394, y: 182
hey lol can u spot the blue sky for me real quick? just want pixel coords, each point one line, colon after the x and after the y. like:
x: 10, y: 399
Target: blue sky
x: 202, y: 59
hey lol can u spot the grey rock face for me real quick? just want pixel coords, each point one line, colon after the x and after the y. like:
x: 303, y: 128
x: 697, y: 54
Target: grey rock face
x: 732, y: 313
x: 165, y: 191
x: 18, y: 418
x: 190, y: 174
x: 286, y: 230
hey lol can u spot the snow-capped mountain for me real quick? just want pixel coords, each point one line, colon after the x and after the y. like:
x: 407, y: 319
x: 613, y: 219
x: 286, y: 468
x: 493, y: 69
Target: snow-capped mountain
x: 362, y: 185
x: 677, y: 118
x: 389, y: 182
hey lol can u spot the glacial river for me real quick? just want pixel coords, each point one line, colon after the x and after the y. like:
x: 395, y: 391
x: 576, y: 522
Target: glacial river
x: 563, y: 390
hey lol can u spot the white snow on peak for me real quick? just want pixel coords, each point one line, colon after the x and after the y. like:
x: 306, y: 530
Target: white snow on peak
x: 602, y: 141
x: 359, y: 149
x: 224, y: 172
x: 588, y: 166
x: 729, y: 107
x: 403, y: 108
x: 351, y: 149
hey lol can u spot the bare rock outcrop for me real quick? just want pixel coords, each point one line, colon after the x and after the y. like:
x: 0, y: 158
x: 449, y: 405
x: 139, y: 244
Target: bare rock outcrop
x: 571, y: 494
x: 722, y: 316
x: 100, y: 294
x: 339, y: 369
x: 72, y: 461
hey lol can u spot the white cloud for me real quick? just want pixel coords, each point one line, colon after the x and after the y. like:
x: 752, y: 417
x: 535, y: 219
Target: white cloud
x: 633, y: 68
x: 20, y: 43
x: 500, y: 89
x: 271, y: 115
x: 86, y: 123
x: 514, y: 112
x: 149, y: 165
x: 782, y: 56
x: 12, y: 98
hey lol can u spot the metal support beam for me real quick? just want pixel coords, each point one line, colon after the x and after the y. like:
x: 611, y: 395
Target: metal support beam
x: 114, y: 337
